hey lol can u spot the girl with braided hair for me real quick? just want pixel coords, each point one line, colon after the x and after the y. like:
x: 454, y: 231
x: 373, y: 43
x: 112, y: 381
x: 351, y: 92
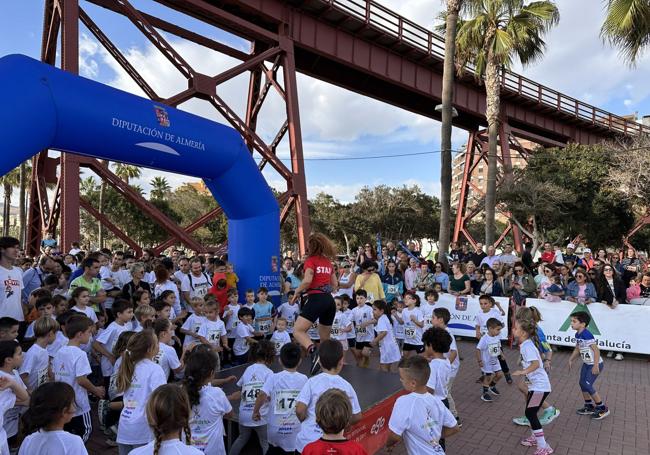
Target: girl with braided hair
x: 209, y: 404
x: 539, y: 386
x: 137, y: 378
x: 168, y: 415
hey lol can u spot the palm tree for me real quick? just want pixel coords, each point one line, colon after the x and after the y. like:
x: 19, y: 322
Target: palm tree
x: 102, y: 195
x: 451, y: 20
x: 495, y: 33
x: 160, y: 187
x: 24, y: 174
x: 8, y: 181
x: 627, y: 26
x: 127, y: 172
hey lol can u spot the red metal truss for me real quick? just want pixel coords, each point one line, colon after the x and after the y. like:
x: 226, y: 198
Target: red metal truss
x: 470, y: 206
x: 271, y: 55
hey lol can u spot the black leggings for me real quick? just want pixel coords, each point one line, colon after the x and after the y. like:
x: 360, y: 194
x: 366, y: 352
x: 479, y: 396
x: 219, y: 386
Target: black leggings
x: 504, y: 364
x: 534, y: 401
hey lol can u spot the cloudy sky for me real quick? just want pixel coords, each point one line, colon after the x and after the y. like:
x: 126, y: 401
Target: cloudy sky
x: 336, y: 123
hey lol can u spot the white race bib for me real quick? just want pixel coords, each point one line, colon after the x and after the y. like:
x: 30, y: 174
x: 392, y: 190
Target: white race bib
x: 285, y: 402
x: 587, y: 355
x: 409, y: 332
x: 361, y: 330
x: 494, y: 349
x: 265, y: 326
x: 250, y: 391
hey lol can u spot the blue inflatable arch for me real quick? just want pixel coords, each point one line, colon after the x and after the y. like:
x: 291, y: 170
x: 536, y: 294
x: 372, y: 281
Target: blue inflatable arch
x: 44, y: 107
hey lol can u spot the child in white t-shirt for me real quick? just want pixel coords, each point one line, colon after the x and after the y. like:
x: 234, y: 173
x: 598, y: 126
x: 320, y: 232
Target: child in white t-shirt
x: 168, y: 415
x: 289, y: 311
x: 79, y: 300
x: 488, y: 351
x: 280, y: 335
x: 11, y: 358
x: 50, y: 408
x: 364, y: 325
x: 347, y: 312
x: 490, y: 308
x: 167, y: 357
x: 244, y: 336
x: 398, y: 327
x: 105, y: 341
x: 213, y: 330
x: 70, y: 365
x: 441, y: 318
x: 331, y: 362
x: 13, y: 392
x: 143, y: 316
x: 231, y: 319
x: 36, y: 361
x: 413, y: 322
x: 430, y: 299
x: 280, y: 392
x: 385, y: 339
x: 209, y: 404
x: 193, y: 323
x: 137, y: 378
x: 342, y: 325
x: 436, y: 344
x: 251, y: 383
x: 419, y: 418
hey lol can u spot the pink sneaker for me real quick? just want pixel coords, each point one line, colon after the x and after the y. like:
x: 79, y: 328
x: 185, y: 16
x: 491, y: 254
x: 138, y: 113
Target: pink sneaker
x: 530, y: 441
x: 548, y: 450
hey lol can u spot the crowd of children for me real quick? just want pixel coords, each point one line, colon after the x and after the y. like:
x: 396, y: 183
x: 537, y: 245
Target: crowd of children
x: 152, y: 373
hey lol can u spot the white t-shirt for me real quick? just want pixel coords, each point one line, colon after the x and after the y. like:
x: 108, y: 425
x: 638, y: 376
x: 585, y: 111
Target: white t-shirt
x: 206, y: 420
x: 388, y: 349
x: 107, y: 338
x: 69, y: 364
x: 167, y: 359
x: 169, y: 286
x: 439, y: 377
x: 10, y: 296
x: 537, y: 379
x: 193, y: 324
x: 455, y: 365
x: 482, y: 318
x: 12, y: 415
x: 312, y: 390
x: 112, y: 384
x: 48, y: 442
x: 60, y: 341
x: 398, y: 327
x: 231, y: 319
x: 35, y: 363
x: 290, y: 313
x: 251, y: 382
x: 419, y: 418
x: 243, y: 331
x: 359, y: 316
x: 197, y: 286
x: 279, y: 339
x: 283, y: 389
x: 412, y: 333
x: 171, y: 447
x: 133, y: 427
x: 490, y: 348
x: 427, y: 314
x: 7, y: 402
x: 87, y: 311
x: 340, y: 323
x: 213, y: 331
x: 351, y: 335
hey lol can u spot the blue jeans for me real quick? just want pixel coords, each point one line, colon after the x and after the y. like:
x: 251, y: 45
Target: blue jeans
x: 587, y: 378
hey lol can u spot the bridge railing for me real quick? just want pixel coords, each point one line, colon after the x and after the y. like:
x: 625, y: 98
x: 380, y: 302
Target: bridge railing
x: 388, y: 21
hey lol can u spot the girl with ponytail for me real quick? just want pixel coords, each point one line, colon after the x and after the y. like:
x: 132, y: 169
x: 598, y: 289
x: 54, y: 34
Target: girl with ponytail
x: 137, y: 378
x: 52, y: 405
x: 209, y: 404
x: 168, y: 415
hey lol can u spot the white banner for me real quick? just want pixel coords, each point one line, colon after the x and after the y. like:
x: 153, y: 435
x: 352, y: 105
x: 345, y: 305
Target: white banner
x: 463, y: 311
x: 623, y: 329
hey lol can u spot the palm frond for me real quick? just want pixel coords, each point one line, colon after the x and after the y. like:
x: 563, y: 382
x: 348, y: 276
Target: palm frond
x: 627, y: 27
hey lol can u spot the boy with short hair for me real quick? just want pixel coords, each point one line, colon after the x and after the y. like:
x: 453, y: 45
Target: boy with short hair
x: 430, y: 297
x: 280, y: 336
x: 44, y: 308
x: 35, y: 369
x: 331, y: 363
x: 441, y: 318
x: 213, y: 331
x: 436, y: 344
x: 105, y: 342
x: 364, y: 326
x: 333, y: 412
x: 488, y: 350
x: 70, y: 365
x: 281, y: 390
x: 231, y: 320
x: 250, y: 300
x: 419, y: 418
x: 8, y: 328
x: 244, y: 336
x: 263, y: 313
x: 192, y: 325
x: 163, y: 309
x: 592, y: 366
x: 289, y: 310
x: 143, y: 314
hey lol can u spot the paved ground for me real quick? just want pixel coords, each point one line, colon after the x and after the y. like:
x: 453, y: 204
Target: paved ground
x: 487, y: 427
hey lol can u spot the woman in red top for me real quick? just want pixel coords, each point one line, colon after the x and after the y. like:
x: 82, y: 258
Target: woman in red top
x: 319, y: 281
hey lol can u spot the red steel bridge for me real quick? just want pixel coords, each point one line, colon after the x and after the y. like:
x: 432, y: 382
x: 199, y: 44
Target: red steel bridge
x: 359, y: 45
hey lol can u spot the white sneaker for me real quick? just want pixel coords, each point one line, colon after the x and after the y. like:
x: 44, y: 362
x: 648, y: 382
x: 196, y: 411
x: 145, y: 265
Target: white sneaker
x: 619, y: 356
x: 610, y: 354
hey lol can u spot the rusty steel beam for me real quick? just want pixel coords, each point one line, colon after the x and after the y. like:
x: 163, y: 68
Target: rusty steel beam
x: 193, y: 226
x: 246, y: 66
x: 87, y: 206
